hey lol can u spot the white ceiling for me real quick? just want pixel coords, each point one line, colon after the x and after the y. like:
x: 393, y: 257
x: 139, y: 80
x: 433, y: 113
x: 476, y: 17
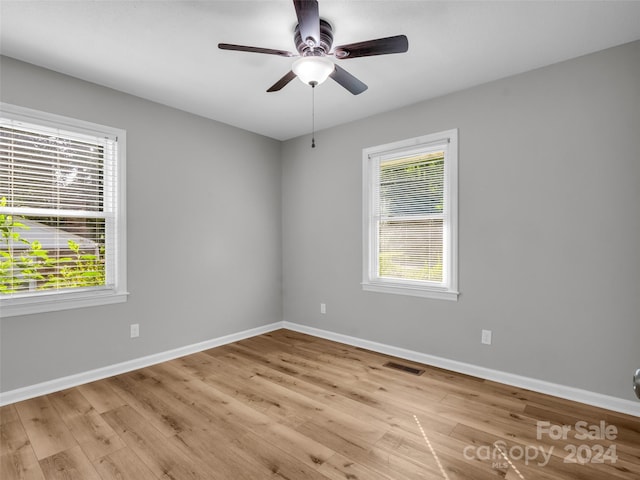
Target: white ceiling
x: 166, y: 51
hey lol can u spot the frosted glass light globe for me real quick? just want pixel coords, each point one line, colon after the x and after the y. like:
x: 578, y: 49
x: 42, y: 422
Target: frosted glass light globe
x: 313, y: 69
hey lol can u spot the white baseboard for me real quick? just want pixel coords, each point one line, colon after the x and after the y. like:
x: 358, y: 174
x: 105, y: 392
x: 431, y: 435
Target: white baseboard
x: 58, y: 384
x: 570, y: 393
x: 562, y: 391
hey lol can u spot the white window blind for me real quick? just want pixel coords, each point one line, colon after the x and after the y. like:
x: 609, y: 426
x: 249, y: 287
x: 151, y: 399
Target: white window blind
x: 410, y: 215
x: 59, y: 218
x: 409, y: 219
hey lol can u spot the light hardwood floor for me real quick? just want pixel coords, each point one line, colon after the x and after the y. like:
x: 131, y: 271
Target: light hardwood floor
x: 290, y: 406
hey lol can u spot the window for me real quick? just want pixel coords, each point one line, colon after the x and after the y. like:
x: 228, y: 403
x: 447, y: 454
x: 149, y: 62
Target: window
x: 62, y: 213
x: 410, y: 216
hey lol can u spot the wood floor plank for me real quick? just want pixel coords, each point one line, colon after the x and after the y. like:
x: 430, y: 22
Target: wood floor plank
x: 46, y: 430
x: 286, y: 405
x: 224, y: 457
x: 339, y: 467
x: 223, y: 412
x: 17, y: 458
x: 123, y: 464
x: 93, y: 434
x: 437, y: 454
x: 101, y: 396
x: 163, y: 455
x: 175, y: 409
x: 276, y: 460
x: 153, y: 408
x: 8, y: 414
x: 70, y: 464
x: 301, y: 447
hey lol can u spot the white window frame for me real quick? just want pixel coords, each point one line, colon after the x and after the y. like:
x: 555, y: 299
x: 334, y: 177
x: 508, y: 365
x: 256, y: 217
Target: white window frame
x: 371, y: 281
x: 69, y: 299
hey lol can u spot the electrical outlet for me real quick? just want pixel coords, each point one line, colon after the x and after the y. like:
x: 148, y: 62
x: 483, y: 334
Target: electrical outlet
x: 135, y: 330
x: 323, y: 308
x: 486, y: 337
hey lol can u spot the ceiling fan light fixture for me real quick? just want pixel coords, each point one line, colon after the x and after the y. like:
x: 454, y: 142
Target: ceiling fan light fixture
x: 313, y: 69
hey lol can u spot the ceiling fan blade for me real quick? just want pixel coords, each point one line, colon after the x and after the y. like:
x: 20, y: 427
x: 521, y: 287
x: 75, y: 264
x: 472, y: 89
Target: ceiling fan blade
x: 244, y: 48
x: 308, y: 21
x: 282, y: 82
x: 380, y: 46
x: 348, y: 81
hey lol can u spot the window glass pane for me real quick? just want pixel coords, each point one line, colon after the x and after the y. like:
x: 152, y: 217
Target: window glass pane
x: 47, y: 171
x: 412, y: 186
x: 411, y: 249
x: 52, y: 253
x: 411, y: 206
x: 52, y: 221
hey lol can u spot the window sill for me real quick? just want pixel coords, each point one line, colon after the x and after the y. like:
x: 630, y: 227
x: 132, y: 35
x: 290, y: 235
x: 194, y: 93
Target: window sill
x: 415, y: 291
x: 12, y: 307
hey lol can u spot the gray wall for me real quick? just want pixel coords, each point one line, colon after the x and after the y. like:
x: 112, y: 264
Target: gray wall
x: 204, y: 234
x: 549, y: 226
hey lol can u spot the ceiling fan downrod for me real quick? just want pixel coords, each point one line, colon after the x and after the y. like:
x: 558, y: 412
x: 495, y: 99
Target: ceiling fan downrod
x: 313, y: 113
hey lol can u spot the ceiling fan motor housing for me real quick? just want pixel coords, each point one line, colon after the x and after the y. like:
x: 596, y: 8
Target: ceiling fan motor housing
x: 326, y: 41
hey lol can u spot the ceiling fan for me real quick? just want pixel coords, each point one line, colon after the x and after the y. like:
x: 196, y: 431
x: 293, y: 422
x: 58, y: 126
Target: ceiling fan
x: 313, y: 37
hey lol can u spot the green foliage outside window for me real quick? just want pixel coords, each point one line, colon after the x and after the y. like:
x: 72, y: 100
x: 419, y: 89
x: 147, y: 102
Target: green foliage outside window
x: 36, y: 268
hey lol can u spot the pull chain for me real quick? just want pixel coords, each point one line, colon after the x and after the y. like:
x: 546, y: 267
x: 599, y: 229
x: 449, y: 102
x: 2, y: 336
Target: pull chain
x: 313, y: 113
